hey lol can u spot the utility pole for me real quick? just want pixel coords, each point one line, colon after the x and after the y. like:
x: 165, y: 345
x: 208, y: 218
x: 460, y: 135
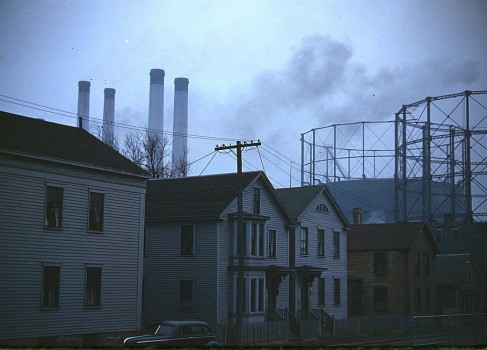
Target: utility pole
x: 240, y: 234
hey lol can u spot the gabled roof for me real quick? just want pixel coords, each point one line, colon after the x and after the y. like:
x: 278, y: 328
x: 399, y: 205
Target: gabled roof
x: 34, y: 138
x: 398, y: 236
x: 198, y: 197
x: 450, y: 267
x: 297, y: 199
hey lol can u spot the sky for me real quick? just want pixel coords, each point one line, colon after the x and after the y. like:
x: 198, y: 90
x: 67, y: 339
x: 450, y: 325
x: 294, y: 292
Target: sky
x: 257, y: 69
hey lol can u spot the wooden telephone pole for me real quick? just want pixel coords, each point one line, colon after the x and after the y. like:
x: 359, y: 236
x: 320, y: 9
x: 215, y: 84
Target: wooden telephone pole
x: 240, y: 235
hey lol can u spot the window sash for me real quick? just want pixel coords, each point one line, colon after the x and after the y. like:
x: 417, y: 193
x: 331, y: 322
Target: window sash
x: 380, y: 264
x: 256, y: 200
x: 336, y: 291
x: 54, y: 207
x: 304, y: 241
x: 96, y: 211
x: 272, y: 243
x: 186, y: 293
x: 336, y: 244
x: 93, y: 287
x: 186, y: 240
x: 321, y: 242
x: 50, y: 287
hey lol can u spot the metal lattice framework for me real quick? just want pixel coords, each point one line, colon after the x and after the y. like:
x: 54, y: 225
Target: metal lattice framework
x: 435, y: 151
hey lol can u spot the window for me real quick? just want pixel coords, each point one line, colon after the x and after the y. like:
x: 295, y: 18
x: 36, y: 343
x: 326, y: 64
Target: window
x: 256, y: 295
x: 438, y: 235
x: 469, y: 271
x: 455, y: 235
x: 418, y: 299
x: 321, y: 291
x: 321, y: 242
x: 256, y: 201
x: 427, y: 297
x: 272, y: 243
x: 304, y: 241
x: 93, y: 287
x: 380, y: 264
x: 253, y: 240
x: 380, y: 299
x: 417, y: 264
x: 186, y: 295
x: 336, y: 244
x: 261, y: 239
x: 427, y: 264
x: 50, y: 287
x: 186, y: 240
x: 336, y: 291
x: 54, y: 207
x: 96, y: 211
x: 257, y: 240
x: 322, y: 208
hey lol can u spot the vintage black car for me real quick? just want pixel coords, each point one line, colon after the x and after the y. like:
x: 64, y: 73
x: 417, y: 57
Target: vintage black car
x: 176, y: 333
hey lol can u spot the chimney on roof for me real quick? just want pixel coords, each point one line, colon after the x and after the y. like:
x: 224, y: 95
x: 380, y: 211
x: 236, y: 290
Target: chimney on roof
x: 109, y: 116
x: 448, y: 218
x: 180, y: 128
x: 156, y: 100
x: 84, y: 105
x: 357, y: 216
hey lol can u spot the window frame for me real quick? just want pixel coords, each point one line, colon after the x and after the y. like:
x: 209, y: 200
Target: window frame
x: 380, y: 263
x: 46, y: 301
x: 336, y: 244
x: 438, y: 235
x: 182, y: 250
x: 381, y: 305
x: 47, y: 208
x: 182, y: 302
x: 336, y: 291
x: 93, y: 224
x: 321, y: 291
x: 304, y: 241
x: 93, y: 301
x: 257, y: 295
x: 256, y: 200
x: 455, y: 235
x: 320, y: 233
x: 272, y: 243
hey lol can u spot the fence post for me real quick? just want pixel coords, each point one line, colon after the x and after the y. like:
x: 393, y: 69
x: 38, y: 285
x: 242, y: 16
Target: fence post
x: 448, y: 328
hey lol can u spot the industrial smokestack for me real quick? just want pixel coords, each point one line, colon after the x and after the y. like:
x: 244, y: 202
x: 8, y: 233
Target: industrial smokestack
x: 109, y: 117
x: 84, y: 105
x: 180, y: 128
x: 156, y: 101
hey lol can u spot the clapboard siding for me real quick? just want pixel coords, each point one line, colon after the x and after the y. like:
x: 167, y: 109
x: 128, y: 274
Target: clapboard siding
x: 336, y: 266
x: 164, y: 268
x: 26, y: 246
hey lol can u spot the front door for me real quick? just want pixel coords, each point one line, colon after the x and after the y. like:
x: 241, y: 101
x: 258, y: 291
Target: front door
x: 304, y: 297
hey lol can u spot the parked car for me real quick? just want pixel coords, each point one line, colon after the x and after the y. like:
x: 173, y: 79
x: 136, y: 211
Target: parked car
x: 176, y: 333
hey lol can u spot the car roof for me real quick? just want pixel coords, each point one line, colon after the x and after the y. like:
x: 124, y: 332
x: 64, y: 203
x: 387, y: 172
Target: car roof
x: 184, y: 322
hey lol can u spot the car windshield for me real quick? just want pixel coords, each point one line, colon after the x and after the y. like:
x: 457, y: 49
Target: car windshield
x: 165, y: 329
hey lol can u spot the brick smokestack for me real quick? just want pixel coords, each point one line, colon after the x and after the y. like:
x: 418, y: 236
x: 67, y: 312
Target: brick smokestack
x: 109, y: 116
x: 180, y: 128
x: 84, y: 105
x: 357, y: 216
x: 156, y: 101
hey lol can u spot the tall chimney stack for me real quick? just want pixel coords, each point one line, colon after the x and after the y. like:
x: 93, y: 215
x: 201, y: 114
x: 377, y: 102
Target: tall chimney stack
x: 180, y: 128
x: 156, y: 101
x: 84, y: 105
x: 357, y: 216
x: 109, y: 116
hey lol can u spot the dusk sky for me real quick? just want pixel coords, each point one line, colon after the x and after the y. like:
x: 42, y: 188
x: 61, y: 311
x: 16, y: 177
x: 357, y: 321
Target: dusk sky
x: 267, y: 70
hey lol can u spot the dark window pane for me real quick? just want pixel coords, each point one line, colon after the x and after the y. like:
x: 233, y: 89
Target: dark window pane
x: 96, y: 211
x: 50, y: 286
x: 54, y: 207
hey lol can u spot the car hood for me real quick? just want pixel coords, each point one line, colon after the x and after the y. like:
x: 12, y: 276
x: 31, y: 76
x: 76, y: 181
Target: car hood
x: 141, y: 339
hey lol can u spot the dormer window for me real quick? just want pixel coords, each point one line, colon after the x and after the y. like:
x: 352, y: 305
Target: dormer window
x: 322, y: 208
